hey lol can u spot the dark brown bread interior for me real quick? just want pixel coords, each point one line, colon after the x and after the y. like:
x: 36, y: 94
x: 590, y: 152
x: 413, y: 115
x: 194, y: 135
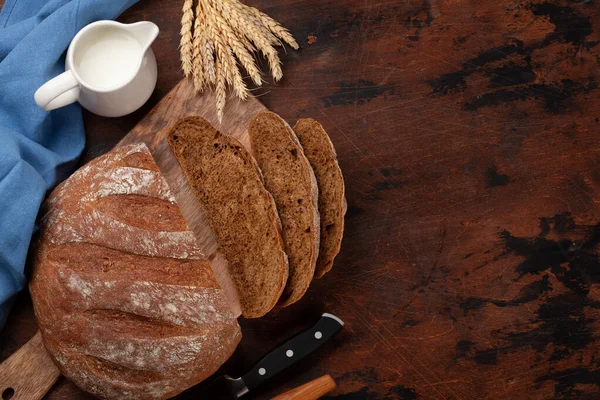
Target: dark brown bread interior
x: 229, y: 187
x: 290, y: 179
x: 332, y: 204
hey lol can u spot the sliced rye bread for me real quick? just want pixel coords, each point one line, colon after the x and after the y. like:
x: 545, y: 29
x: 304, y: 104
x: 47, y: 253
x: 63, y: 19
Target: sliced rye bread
x: 332, y: 204
x: 290, y: 179
x: 241, y: 212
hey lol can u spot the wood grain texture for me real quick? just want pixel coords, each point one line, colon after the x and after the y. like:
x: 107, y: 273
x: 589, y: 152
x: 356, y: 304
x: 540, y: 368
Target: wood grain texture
x: 29, y: 373
x: 467, y: 134
x: 312, y: 390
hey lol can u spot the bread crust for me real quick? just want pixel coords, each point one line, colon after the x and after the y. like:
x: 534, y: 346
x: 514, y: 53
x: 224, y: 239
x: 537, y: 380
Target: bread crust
x: 128, y: 307
x: 322, y: 156
x: 287, y: 174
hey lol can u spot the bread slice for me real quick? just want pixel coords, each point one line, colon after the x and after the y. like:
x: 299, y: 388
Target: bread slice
x: 332, y: 204
x: 290, y: 179
x: 241, y: 212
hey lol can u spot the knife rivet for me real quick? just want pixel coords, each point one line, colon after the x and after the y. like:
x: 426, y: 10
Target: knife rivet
x: 289, y: 353
x: 318, y: 335
x: 262, y: 371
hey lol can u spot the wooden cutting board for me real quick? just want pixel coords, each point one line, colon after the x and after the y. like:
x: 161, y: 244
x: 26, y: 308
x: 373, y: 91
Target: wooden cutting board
x: 30, y: 373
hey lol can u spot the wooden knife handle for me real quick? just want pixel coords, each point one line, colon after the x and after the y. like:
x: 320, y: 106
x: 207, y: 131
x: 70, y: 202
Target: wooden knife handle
x: 29, y: 373
x: 309, y: 391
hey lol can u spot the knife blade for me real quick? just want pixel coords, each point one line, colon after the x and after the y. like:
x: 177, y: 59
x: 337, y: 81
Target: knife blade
x: 285, y: 355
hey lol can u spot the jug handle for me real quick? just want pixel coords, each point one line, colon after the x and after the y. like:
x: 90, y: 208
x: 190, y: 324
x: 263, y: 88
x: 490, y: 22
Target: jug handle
x: 57, y: 92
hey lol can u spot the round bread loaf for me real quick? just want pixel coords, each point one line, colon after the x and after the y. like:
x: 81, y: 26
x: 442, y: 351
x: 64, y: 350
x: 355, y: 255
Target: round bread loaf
x: 126, y: 302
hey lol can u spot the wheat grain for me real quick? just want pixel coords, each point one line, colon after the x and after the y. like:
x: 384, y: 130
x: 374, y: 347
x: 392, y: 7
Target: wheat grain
x: 246, y: 43
x: 239, y: 87
x: 208, y: 60
x: 274, y: 63
x: 185, y: 44
x: 220, y: 90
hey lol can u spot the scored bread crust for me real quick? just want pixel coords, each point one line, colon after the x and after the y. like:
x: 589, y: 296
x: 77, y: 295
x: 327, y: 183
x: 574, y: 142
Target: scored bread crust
x: 229, y: 186
x: 126, y: 302
x: 323, y: 159
x: 288, y: 174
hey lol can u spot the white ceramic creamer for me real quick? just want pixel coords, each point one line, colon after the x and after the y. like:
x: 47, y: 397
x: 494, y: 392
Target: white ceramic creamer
x: 110, y: 70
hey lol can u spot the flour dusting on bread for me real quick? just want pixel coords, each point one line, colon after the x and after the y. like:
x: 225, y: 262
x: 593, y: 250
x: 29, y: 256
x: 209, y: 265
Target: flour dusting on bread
x: 126, y: 302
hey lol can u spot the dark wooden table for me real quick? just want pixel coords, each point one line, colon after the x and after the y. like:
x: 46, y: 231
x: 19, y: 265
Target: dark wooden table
x: 469, y: 136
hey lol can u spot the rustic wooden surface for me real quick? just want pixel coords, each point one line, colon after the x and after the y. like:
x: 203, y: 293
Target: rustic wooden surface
x: 469, y: 136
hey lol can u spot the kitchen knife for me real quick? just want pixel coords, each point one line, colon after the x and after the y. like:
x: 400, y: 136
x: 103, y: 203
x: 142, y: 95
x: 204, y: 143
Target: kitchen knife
x: 292, y: 351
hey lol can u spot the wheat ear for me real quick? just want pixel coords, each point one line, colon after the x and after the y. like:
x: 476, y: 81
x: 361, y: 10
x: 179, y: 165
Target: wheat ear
x: 277, y: 29
x: 240, y: 51
x: 185, y: 45
x: 227, y: 66
x: 221, y: 88
x: 246, y: 20
x: 221, y: 38
x: 255, y: 34
x: 207, y: 47
x: 199, y: 68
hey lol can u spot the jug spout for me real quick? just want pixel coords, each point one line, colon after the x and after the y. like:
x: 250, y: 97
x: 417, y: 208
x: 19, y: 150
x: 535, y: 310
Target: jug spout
x: 145, y: 32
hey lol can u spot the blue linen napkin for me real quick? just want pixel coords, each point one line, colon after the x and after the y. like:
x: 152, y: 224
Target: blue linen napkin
x: 38, y: 149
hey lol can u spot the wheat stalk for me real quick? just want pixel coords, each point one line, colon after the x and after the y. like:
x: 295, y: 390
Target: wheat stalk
x: 185, y: 45
x: 225, y: 35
